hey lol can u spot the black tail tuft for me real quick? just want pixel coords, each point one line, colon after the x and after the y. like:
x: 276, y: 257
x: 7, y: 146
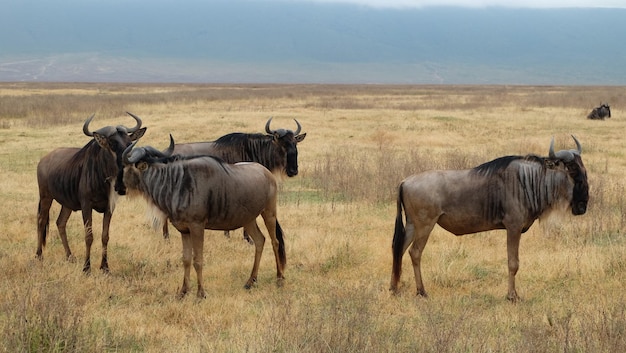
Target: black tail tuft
x: 397, y: 245
x: 281, y: 245
x: 44, y: 231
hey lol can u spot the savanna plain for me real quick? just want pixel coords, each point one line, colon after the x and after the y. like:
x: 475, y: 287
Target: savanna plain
x: 338, y: 216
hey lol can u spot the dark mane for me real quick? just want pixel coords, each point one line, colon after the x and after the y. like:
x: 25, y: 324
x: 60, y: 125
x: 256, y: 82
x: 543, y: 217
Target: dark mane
x: 238, y: 139
x: 92, y: 166
x: 242, y: 147
x: 178, y: 157
x: 499, y: 164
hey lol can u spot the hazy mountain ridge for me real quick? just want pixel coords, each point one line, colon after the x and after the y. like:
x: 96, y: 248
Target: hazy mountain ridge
x: 242, y: 41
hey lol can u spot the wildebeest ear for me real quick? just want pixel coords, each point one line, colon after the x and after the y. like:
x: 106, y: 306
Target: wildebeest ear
x: 142, y: 166
x: 102, y: 140
x: 137, y: 134
x: 300, y: 137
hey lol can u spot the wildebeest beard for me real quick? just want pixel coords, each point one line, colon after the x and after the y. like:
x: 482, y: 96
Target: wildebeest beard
x: 580, y: 193
x: 167, y: 189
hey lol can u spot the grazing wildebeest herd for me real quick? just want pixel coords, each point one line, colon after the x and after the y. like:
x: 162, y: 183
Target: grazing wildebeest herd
x: 227, y: 183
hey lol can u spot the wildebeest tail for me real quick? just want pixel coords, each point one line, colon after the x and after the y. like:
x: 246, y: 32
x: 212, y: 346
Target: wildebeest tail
x: 397, y: 246
x: 44, y: 231
x: 281, y: 245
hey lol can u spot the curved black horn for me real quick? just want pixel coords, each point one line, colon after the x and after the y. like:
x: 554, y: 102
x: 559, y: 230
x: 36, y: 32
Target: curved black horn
x: 126, y: 152
x: 86, y: 126
x: 168, y: 152
x: 551, y: 153
x: 578, y: 145
x: 137, y: 119
x: 298, y: 129
x: 267, y: 126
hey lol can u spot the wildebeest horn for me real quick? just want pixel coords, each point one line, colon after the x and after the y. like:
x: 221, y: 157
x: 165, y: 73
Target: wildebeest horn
x: 551, y: 153
x: 86, y: 126
x: 168, y: 152
x: 267, y: 126
x: 153, y: 152
x: 125, y: 157
x: 579, y: 148
x: 566, y: 155
x: 106, y: 130
x: 299, y: 127
x: 136, y: 119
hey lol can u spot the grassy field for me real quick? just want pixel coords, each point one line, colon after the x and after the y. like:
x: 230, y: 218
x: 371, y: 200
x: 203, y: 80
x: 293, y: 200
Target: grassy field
x: 338, y: 216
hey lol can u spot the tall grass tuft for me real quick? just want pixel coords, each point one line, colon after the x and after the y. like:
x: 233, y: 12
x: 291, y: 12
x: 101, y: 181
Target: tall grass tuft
x: 42, y: 318
x: 373, y: 176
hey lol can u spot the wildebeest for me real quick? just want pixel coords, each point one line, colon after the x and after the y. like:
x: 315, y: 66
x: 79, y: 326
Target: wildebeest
x: 507, y: 193
x: 277, y: 150
x: 84, y: 179
x: 204, y: 192
x: 601, y: 112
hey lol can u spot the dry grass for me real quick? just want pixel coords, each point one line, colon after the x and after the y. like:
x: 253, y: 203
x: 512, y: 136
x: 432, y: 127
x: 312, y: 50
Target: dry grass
x: 338, y: 217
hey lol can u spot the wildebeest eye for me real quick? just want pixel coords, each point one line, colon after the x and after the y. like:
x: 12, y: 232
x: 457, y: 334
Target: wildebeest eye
x: 142, y: 166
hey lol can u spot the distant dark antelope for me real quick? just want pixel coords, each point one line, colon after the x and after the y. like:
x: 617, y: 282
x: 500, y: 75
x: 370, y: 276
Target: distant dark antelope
x: 84, y: 179
x: 507, y: 193
x: 601, y: 112
x: 277, y: 151
x: 203, y: 192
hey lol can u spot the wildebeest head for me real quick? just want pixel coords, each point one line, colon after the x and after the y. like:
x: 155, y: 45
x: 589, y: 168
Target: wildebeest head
x: 287, y: 140
x: 573, y: 164
x: 149, y: 154
x: 115, y: 139
x: 607, y: 109
x: 137, y: 159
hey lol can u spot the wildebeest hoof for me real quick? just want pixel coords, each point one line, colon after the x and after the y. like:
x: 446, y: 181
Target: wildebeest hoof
x: 201, y: 294
x: 251, y: 282
x: 71, y: 258
x: 280, y: 282
x: 513, y: 298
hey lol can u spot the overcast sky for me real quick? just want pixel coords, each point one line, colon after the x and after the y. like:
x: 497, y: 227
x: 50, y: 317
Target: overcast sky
x: 481, y: 3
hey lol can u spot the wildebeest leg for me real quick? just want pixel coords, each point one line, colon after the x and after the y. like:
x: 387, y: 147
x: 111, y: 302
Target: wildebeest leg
x: 64, y: 216
x: 279, y: 254
x: 420, y: 236
x: 197, y: 243
x: 106, y: 222
x: 512, y: 247
x: 187, y: 252
x: 259, y: 241
x: 87, y: 222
